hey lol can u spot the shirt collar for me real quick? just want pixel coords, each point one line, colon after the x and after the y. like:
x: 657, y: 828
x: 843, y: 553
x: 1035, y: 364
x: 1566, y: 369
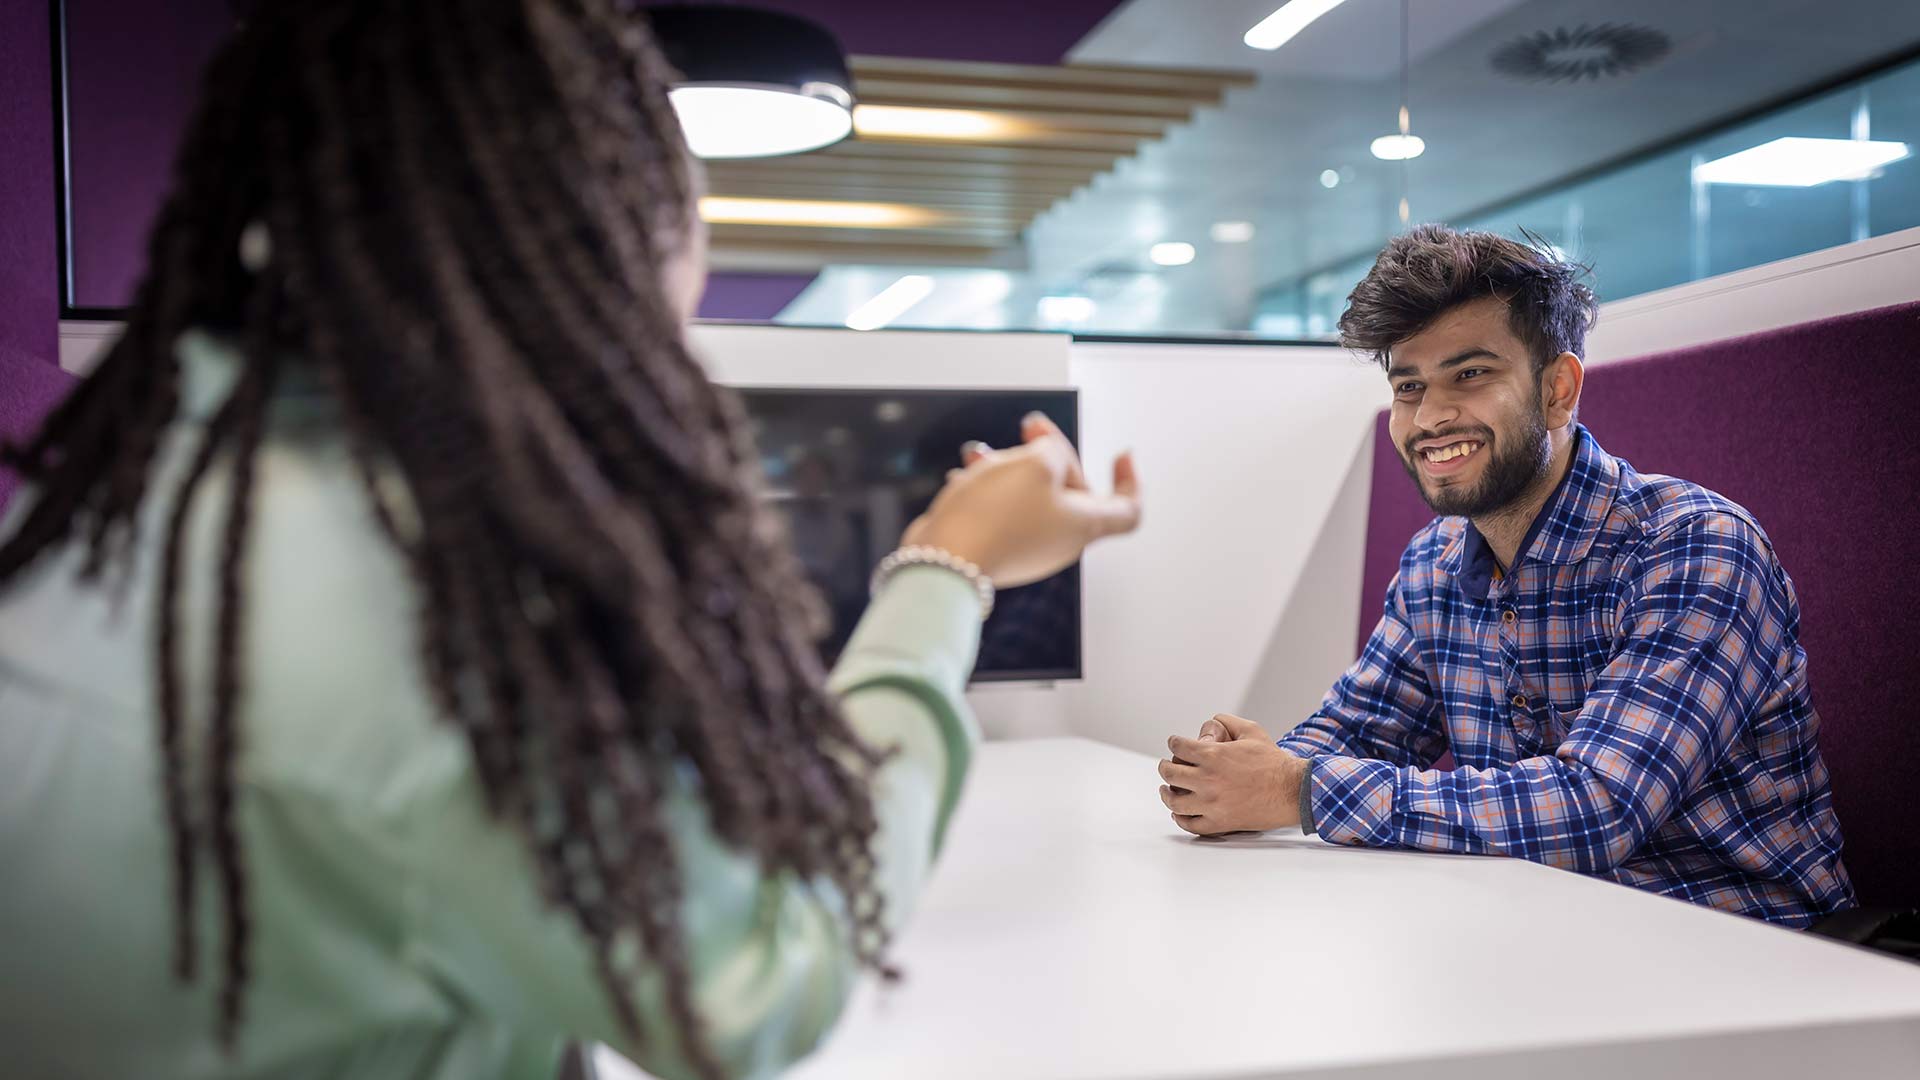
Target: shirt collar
x: 1562, y: 532
x: 210, y: 366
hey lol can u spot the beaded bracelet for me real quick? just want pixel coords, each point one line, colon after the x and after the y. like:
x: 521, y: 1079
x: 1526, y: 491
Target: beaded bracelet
x: 946, y: 560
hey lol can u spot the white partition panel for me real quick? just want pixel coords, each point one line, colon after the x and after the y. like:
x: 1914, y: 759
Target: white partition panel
x: 1838, y: 281
x: 1242, y: 591
x: 752, y: 354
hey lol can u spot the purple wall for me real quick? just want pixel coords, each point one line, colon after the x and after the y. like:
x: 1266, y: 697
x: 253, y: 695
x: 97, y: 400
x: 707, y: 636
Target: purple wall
x: 1002, y: 31
x: 28, y: 305
x: 133, y: 75
x: 1838, y: 506
x: 30, y: 377
x: 750, y: 297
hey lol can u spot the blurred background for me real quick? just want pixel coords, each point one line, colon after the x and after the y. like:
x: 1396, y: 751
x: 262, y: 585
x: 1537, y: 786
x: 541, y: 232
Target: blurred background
x: 1138, y: 168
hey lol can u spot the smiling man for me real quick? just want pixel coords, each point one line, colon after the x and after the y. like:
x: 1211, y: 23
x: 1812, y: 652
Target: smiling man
x: 1611, y: 656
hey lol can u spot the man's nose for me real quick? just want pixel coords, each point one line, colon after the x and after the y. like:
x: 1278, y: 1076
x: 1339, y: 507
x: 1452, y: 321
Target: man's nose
x: 1436, y: 411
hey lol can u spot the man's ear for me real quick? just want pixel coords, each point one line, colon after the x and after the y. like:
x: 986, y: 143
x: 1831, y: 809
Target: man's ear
x: 1560, y: 387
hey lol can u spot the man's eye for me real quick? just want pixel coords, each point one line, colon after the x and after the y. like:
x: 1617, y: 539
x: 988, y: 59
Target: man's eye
x: 1472, y: 371
x: 1405, y: 387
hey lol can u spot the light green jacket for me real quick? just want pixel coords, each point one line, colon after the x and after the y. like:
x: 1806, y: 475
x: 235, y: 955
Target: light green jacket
x: 399, y: 930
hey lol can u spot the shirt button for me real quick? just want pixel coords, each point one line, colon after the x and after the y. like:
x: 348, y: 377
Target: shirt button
x: 1507, y: 616
x: 1519, y: 701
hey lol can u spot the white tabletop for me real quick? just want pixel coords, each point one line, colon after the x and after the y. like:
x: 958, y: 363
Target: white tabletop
x: 1072, y: 931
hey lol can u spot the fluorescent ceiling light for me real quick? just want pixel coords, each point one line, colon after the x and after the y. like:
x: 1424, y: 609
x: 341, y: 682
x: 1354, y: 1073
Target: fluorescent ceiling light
x: 1232, y: 232
x: 1398, y: 147
x: 725, y: 210
x: 909, y: 122
x: 1174, y: 253
x: 1797, y: 162
x: 892, y: 303
x: 755, y: 121
x: 1289, y: 19
x: 1066, y: 310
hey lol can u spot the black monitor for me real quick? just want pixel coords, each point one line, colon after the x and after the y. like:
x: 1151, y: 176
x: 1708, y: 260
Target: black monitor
x: 850, y: 469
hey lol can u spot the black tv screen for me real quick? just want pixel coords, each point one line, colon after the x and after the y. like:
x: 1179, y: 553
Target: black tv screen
x: 850, y: 469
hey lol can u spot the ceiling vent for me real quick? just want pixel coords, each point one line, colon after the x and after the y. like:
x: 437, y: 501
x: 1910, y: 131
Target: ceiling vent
x: 1584, y: 52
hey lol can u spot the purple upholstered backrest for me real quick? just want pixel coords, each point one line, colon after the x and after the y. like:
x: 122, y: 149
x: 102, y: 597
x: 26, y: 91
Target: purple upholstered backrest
x: 29, y: 389
x: 1812, y: 429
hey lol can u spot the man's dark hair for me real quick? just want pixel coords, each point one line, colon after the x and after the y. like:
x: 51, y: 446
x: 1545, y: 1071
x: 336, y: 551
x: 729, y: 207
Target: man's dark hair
x: 1431, y: 269
x: 468, y: 208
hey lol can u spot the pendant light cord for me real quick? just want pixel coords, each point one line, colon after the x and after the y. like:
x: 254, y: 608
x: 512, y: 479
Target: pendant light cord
x: 1406, y: 120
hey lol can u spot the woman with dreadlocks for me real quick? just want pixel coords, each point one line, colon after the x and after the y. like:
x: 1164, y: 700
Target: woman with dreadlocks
x: 398, y: 673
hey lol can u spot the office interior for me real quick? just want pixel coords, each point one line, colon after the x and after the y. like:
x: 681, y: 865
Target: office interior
x: 1145, y: 218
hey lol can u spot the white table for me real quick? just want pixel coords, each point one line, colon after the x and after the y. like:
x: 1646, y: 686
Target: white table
x: 1072, y: 931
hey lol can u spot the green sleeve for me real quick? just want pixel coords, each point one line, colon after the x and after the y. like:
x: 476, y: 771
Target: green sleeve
x: 771, y: 962
x: 920, y: 639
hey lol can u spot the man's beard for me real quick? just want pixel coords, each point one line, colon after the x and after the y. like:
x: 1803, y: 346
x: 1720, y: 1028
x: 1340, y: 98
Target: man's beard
x: 1507, y: 476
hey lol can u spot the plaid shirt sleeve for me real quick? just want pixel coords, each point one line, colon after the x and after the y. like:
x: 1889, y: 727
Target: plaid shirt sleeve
x: 1383, y: 707
x: 1699, y: 622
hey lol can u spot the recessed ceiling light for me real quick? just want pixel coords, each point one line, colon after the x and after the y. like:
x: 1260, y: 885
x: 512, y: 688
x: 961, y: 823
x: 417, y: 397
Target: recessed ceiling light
x: 1398, y: 147
x: 891, y: 303
x: 725, y: 210
x: 1289, y: 19
x: 1066, y: 310
x: 1795, y: 162
x: 1173, y: 253
x: 1232, y: 232
x: 1329, y: 178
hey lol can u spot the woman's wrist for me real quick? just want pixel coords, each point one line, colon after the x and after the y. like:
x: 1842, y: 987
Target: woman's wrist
x: 955, y: 542
x: 912, y: 555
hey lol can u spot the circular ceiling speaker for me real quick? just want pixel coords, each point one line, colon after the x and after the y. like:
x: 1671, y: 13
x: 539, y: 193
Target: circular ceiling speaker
x: 1585, y: 52
x: 754, y: 83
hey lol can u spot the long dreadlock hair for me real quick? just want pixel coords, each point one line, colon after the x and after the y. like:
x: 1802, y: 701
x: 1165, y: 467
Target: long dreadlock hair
x: 469, y: 204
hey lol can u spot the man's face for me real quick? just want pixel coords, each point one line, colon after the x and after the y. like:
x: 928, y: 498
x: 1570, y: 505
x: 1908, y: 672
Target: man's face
x: 1467, y: 416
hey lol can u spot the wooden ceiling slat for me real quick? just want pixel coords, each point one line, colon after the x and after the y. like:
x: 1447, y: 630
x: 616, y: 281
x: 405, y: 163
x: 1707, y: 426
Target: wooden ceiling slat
x: 1004, y: 98
x: 853, y: 191
x: 1120, y: 145
x: 1198, y: 85
x: 864, y: 149
x: 1080, y: 119
x: 817, y: 165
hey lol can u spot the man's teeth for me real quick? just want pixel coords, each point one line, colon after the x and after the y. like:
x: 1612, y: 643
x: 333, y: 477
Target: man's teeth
x: 1448, y: 453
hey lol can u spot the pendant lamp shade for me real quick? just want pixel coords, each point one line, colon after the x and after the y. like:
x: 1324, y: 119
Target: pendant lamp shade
x: 754, y: 83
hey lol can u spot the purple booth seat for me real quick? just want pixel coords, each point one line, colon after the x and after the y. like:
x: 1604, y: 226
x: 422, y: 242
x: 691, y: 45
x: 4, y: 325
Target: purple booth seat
x: 29, y: 389
x: 1812, y: 429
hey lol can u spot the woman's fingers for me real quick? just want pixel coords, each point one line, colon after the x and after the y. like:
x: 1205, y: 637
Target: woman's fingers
x: 1039, y: 428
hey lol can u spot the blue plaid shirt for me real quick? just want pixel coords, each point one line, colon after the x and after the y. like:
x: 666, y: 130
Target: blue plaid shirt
x: 1630, y: 701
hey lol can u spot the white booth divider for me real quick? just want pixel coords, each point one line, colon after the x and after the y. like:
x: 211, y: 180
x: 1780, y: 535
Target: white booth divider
x: 1240, y: 592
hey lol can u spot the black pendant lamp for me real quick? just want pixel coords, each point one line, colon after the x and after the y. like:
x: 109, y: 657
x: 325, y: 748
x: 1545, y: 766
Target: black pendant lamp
x: 754, y: 83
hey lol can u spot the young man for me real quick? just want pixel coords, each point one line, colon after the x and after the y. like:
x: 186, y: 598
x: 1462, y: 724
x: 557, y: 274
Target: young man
x: 1611, y: 656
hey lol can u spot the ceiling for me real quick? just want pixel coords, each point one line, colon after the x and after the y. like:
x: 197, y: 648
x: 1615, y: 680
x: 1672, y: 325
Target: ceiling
x: 1031, y: 135
x: 757, y: 286
x: 1319, y: 101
